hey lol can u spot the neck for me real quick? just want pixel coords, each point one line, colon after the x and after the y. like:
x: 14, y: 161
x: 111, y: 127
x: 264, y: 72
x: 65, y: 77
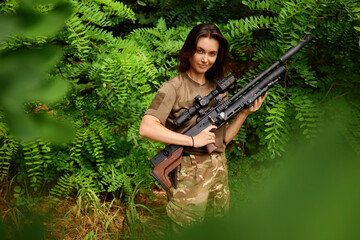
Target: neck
x: 199, y: 78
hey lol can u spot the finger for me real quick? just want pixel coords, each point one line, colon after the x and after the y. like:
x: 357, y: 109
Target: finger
x: 261, y: 100
x: 256, y: 103
x: 211, y: 127
x: 210, y: 134
x: 263, y: 97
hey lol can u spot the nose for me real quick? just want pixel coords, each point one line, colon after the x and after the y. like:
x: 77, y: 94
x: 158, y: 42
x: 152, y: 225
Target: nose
x: 204, y: 58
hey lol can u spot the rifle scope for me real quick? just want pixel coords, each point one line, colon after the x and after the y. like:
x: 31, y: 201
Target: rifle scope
x: 222, y: 86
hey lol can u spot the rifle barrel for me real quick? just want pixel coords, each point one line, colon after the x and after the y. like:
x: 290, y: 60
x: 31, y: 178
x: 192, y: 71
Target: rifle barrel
x: 296, y: 48
x: 282, y: 59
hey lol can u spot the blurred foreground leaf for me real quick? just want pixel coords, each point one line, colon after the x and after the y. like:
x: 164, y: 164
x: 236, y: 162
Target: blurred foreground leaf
x: 315, y: 195
x: 23, y: 71
x: 31, y: 23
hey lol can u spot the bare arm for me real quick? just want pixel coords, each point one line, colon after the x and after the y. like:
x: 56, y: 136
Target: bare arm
x: 151, y: 128
x: 235, y: 126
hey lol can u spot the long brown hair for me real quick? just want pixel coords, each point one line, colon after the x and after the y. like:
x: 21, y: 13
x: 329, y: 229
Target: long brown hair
x: 221, y: 65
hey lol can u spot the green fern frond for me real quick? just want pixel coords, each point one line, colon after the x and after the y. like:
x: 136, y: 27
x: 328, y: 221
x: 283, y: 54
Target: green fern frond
x: 133, y: 133
x: 241, y: 135
x: 91, y: 12
x: 8, y: 7
x: 77, y: 149
x: 101, y: 35
x: 304, y: 71
x: 36, y: 157
x: 277, y: 129
x: 262, y: 156
x: 269, y: 5
x: 8, y: 148
x: 308, y: 114
x: 65, y: 184
x: 246, y: 25
x: 17, y: 41
x: 118, y: 9
x: 264, y: 56
x: 182, y: 16
x: 166, y: 70
x: 239, y: 140
x: 103, y: 12
x: 113, y: 179
x: 98, y: 150
x: 85, y: 182
x: 78, y: 37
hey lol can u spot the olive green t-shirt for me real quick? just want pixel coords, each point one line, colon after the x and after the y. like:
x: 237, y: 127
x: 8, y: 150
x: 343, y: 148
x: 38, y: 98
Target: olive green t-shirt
x: 177, y: 95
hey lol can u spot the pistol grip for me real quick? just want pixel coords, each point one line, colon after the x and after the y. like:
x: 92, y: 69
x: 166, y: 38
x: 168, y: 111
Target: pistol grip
x: 210, y: 148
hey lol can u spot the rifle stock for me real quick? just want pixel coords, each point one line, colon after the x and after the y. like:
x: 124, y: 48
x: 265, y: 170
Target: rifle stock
x: 162, y: 170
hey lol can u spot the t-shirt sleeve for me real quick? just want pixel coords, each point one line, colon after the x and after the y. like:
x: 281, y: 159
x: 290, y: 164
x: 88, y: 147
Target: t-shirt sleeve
x: 163, y: 102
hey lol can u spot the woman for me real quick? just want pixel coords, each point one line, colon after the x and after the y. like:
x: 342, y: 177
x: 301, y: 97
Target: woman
x: 202, y: 178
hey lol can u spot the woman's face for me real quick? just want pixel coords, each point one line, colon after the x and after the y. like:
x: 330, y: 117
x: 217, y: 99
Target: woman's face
x: 205, y: 55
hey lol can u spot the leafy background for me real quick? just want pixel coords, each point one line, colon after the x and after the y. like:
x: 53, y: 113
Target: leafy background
x: 76, y: 77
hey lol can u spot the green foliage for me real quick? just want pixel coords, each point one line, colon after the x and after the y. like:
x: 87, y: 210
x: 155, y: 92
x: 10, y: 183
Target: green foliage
x: 65, y: 184
x: 36, y: 161
x: 9, y: 148
x: 103, y: 12
x: 252, y: 23
x: 25, y: 57
x: 308, y: 115
x: 113, y: 75
x: 272, y: 6
x: 138, y: 225
x: 277, y: 129
x: 313, y: 74
x: 191, y: 13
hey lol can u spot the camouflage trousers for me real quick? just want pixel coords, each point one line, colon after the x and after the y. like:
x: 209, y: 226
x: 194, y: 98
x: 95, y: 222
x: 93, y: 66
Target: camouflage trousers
x: 202, y: 189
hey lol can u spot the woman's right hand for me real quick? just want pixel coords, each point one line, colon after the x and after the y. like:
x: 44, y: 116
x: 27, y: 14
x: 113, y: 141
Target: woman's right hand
x: 151, y: 128
x: 205, y: 137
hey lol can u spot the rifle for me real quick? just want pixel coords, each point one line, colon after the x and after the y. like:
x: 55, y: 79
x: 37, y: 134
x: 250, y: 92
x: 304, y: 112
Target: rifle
x: 170, y: 157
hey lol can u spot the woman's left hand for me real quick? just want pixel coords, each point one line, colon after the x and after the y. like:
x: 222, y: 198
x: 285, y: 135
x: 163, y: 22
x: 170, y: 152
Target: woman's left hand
x: 234, y: 127
x: 257, y: 104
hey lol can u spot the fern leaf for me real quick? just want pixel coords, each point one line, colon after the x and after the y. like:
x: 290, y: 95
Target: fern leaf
x: 65, y: 184
x: 8, y: 148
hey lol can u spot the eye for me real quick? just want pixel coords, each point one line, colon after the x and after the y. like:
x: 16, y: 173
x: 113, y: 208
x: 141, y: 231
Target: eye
x: 213, y: 54
x: 200, y: 51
